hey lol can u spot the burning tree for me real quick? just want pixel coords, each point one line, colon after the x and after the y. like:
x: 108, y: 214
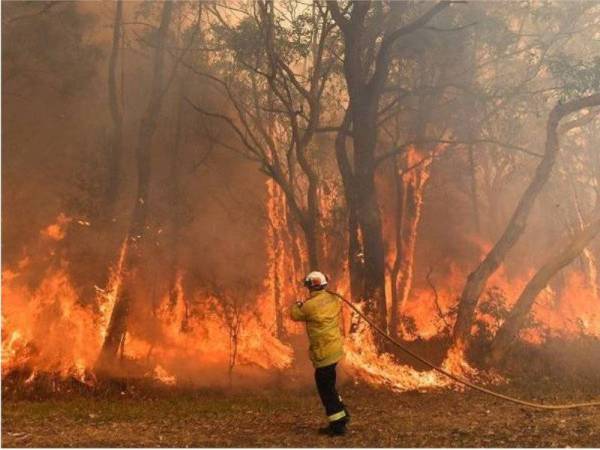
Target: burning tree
x: 137, y: 228
x: 366, y: 69
x: 244, y: 144
x: 276, y: 125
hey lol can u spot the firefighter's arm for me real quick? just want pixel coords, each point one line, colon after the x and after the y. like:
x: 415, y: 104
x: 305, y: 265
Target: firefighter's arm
x: 297, y: 312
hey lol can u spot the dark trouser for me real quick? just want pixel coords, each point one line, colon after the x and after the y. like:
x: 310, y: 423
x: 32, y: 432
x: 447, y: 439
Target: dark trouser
x: 334, y: 408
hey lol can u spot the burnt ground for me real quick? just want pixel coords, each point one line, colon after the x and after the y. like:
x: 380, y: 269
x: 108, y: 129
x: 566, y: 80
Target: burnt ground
x: 290, y: 418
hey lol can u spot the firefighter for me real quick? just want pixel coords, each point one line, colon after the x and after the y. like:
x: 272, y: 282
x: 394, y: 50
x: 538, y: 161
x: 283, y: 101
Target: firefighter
x: 322, y: 312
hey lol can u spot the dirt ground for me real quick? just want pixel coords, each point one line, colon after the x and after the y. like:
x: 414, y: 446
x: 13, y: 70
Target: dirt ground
x: 290, y: 418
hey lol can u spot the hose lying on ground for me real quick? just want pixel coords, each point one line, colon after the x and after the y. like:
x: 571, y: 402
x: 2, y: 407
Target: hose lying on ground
x: 458, y: 379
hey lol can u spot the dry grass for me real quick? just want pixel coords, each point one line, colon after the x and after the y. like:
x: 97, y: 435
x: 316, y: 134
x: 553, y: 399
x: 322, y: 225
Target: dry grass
x: 285, y: 418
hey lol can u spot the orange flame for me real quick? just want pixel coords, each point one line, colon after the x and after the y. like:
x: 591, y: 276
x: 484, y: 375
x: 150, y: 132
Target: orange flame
x: 363, y: 362
x: 47, y: 329
x: 198, y: 338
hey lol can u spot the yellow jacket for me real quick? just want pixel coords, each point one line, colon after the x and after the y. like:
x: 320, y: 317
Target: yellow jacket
x: 321, y: 312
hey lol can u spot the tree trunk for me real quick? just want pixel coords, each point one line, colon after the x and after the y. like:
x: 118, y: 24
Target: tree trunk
x: 103, y: 225
x: 295, y: 245
x: 588, y: 257
x: 277, y: 269
x: 366, y: 250
x: 277, y: 221
x: 309, y: 217
x: 409, y: 198
x: 399, y: 213
x: 175, y: 202
x: 592, y: 271
x: 473, y: 190
x: 364, y: 132
x: 365, y: 73
x: 118, y: 322
x: 312, y: 240
x: 369, y: 220
x: 355, y: 255
x: 477, y: 280
x: 116, y: 145
x: 511, y: 327
x: 361, y: 196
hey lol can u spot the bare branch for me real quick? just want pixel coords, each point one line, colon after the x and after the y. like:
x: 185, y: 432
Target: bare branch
x: 338, y: 16
x: 415, y: 25
x: 42, y: 11
x: 254, y: 151
x: 401, y: 148
x: 383, y: 55
x: 579, y: 122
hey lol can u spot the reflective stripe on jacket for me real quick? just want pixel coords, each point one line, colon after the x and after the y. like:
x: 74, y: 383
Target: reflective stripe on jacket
x: 321, y: 312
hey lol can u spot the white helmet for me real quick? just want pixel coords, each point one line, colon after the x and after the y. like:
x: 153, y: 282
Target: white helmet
x: 315, y: 280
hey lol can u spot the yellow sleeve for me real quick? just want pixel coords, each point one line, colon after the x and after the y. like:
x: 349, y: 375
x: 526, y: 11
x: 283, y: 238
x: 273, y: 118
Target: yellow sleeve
x: 298, y: 313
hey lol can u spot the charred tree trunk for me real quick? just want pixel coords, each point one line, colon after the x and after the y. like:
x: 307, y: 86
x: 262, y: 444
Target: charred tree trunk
x: 309, y: 226
x: 309, y: 216
x: 511, y: 327
x: 116, y: 143
x: 175, y: 203
x: 298, y: 270
x: 277, y: 209
x: 411, y: 172
x: 118, y: 322
x: 399, y: 213
x: 477, y: 280
x: 277, y: 221
x: 367, y: 61
x: 361, y: 196
x: 369, y: 216
x: 102, y: 218
x: 589, y: 259
x: 591, y: 270
x: 473, y: 190
x: 355, y: 253
x: 308, y: 219
x: 409, y: 198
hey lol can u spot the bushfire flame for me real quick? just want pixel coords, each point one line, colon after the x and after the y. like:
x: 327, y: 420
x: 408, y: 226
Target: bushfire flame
x: 47, y: 328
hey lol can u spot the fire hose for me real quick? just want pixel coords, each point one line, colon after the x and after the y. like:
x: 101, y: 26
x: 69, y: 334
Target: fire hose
x: 457, y: 378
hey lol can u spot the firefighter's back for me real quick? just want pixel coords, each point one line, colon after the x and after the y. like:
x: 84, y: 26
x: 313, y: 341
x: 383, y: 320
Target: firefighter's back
x: 323, y: 327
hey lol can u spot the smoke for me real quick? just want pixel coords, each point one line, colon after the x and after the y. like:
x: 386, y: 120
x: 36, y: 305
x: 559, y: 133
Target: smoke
x: 212, y: 289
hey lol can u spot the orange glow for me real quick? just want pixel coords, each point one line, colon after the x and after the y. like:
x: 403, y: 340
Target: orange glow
x: 56, y: 231
x: 47, y: 328
x: 363, y: 362
x: 575, y: 311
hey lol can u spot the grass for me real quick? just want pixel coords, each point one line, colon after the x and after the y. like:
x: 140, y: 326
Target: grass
x: 290, y: 418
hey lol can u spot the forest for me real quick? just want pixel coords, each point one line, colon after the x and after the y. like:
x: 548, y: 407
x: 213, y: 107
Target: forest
x: 172, y: 170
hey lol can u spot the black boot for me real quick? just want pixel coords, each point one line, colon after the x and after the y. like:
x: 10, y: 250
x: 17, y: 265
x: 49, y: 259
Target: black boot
x: 336, y: 428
